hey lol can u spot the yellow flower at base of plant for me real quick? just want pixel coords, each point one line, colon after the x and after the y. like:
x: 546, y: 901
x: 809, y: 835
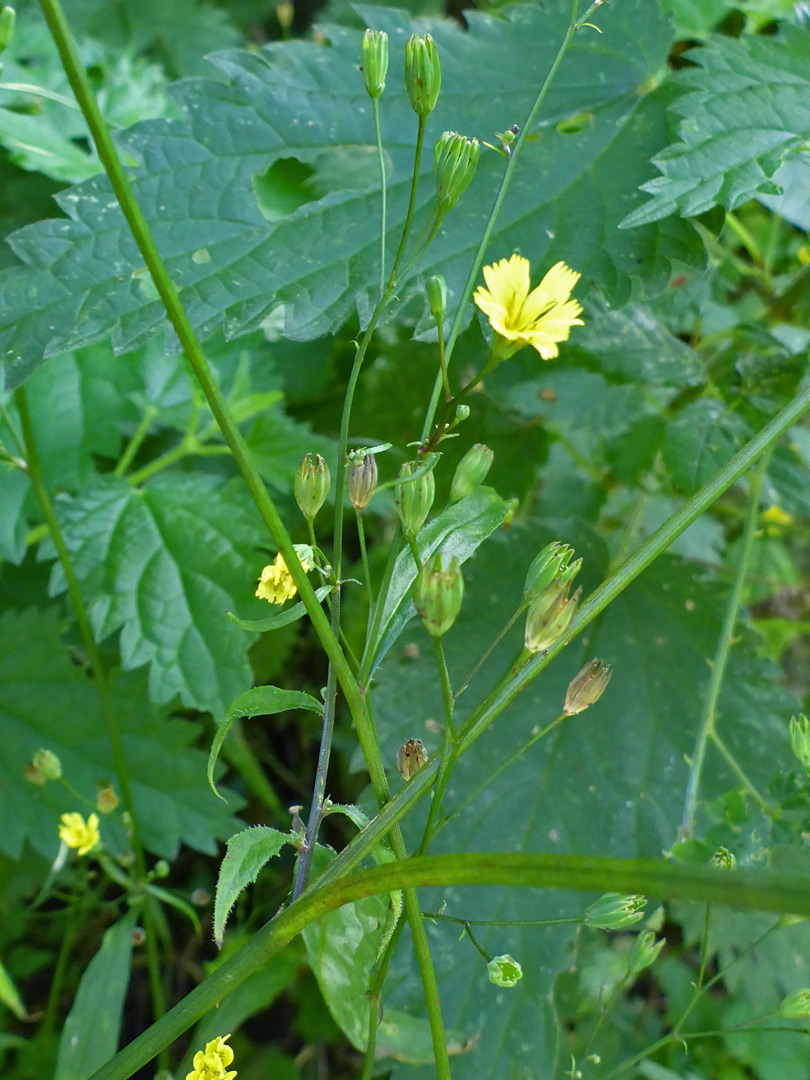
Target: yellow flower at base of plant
x: 539, y: 318
x: 78, y: 833
x: 276, y: 584
x: 211, y: 1063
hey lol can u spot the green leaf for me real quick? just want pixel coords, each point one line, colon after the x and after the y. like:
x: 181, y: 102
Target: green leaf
x: 701, y: 438
x: 457, y: 531
x: 47, y: 701
x: 10, y: 995
x: 261, y: 701
x: 91, y: 1031
x: 301, y: 100
x: 247, y: 852
x: 610, y: 781
x: 747, y: 110
x: 275, y: 622
x: 163, y: 564
x: 629, y: 344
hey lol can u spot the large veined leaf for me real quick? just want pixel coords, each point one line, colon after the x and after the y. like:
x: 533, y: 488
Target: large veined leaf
x: 610, y: 781
x: 163, y: 565
x: 84, y: 277
x: 46, y: 701
x: 748, y: 109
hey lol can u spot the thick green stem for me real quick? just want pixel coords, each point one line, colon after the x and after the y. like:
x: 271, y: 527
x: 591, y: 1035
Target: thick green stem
x: 375, y: 103
x: 718, y: 668
x: 742, y: 889
x: 101, y: 137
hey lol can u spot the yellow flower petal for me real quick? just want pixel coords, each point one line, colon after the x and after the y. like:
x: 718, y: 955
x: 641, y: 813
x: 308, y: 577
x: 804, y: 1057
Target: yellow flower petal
x: 276, y: 584
x: 540, y: 318
x: 78, y: 834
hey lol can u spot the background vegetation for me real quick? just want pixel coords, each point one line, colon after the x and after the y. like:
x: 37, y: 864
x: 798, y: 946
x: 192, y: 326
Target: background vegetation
x: 256, y: 170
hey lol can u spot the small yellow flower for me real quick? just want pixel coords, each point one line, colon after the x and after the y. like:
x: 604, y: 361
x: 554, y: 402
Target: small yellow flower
x: 211, y: 1063
x: 77, y: 833
x: 539, y: 318
x: 775, y: 515
x: 276, y: 584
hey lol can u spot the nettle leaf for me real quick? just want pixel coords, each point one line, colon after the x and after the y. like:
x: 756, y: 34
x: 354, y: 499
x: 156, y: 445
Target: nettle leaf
x: 701, y: 439
x: 247, y: 852
x: 260, y: 701
x: 163, y: 564
x: 748, y: 109
x: 93, y: 1025
x: 84, y: 277
x: 610, y: 781
x: 46, y: 701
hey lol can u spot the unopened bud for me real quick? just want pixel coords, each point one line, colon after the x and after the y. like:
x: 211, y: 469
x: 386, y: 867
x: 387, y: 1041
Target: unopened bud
x: 800, y: 739
x: 546, y: 568
x: 161, y: 869
x: 586, y: 687
x: 795, y: 1005
x: 106, y: 800
x: 504, y: 971
x: 437, y: 296
x: 411, y: 757
x: 361, y: 480
x: 549, y: 617
x: 47, y: 764
x: 285, y: 13
x: 471, y: 471
x: 454, y: 160
x: 8, y: 17
x: 374, y: 53
x: 643, y: 952
x: 423, y: 74
x: 414, y: 498
x: 612, y: 911
x: 311, y: 485
x: 723, y: 859
x: 437, y: 594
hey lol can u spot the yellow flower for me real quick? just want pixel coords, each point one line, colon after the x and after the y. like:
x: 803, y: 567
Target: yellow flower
x: 276, y: 584
x: 77, y: 833
x: 211, y: 1063
x: 775, y: 518
x: 539, y: 318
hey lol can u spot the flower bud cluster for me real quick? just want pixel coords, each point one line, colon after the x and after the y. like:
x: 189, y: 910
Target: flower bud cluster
x: 374, y: 53
x: 311, y: 485
x: 414, y: 495
x: 586, y: 687
x: 471, y: 471
x: 423, y: 74
x: 361, y: 478
x: 455, y: 158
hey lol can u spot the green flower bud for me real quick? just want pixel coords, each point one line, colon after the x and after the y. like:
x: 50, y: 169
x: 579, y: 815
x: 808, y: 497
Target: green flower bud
x: 615, y: 912
x: 47, y: 764
x: 462, y: 413
x: 423, y: 74
x: 545, y: 568
x: 549, y: 617
x: 644, y: 952
x: 311, y: 485
x: 586, y: 687
x: 8, y: 17
x: 800, y: 739
x: 454, y: 160
x: 504, y: 971
x: 361, y: 479
x: 374, y: 54
x: 414, y: 498
x: 723, y: 859
x: 437, y: 594
x: 411, y: 756
x: 161, y: 869
x: 471, y: 471
x: 437, y: 296
x: 795, y: 1005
